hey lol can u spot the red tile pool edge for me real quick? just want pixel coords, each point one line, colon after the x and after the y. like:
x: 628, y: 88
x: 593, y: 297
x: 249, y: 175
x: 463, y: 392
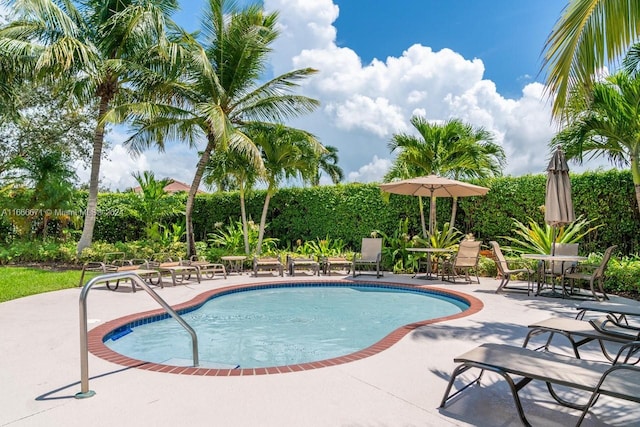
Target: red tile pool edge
x: 99, y: 349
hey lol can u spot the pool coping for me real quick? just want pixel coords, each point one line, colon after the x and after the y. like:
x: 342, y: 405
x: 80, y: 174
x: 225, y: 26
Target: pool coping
x: 96, y: 336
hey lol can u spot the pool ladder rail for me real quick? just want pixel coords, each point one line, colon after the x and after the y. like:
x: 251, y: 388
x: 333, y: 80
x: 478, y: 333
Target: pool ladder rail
x: 84, y: 348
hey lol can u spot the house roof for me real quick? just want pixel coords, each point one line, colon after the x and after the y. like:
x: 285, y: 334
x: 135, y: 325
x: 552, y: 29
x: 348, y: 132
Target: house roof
x: 173, y: 187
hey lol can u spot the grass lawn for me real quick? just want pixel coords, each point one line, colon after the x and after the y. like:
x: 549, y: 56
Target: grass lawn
x: 17, y: 282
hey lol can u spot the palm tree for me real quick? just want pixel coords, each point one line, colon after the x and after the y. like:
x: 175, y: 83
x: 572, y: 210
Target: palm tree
x: 286, y: 153
x: 215, y: 91
x: 97, y: 46
x: 328, y: 162
x: 452, y: 149
x: 231, y: 168
x: 589, y: 36
x: 606, y: 123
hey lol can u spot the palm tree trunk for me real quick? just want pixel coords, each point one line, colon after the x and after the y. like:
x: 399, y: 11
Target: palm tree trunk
x: 422, y: 219
x: 263, y: 220
x: 243, y: 217
x: 432, y: 215
x: 94, y: 180
x: 454, y: 211
x: 195, y: 184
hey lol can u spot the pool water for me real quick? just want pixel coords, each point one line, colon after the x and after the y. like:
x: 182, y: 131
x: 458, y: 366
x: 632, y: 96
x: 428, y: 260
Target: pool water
x: 284, y: 326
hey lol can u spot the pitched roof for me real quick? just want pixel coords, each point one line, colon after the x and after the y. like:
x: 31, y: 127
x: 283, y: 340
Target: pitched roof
x: 173, y: 187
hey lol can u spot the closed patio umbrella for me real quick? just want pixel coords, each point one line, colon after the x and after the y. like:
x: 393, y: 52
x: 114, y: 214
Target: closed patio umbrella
x: 558, y: 206
x: 433, y: 186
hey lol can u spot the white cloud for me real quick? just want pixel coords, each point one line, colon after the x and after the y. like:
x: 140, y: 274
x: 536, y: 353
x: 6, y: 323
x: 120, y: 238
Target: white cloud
x: 363, y: 105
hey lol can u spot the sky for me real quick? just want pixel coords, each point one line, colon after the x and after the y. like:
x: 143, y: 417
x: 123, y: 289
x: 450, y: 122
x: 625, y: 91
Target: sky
x: 381, y: 62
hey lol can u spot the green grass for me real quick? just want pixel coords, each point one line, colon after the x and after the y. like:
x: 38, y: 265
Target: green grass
x: 18, y: 282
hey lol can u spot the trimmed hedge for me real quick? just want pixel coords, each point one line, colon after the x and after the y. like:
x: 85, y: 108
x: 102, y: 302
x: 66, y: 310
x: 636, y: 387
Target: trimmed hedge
x: 352, y: 211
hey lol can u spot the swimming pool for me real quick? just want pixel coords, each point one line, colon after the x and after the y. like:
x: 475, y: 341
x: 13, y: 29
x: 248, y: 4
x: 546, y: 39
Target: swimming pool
x: 284, y: 327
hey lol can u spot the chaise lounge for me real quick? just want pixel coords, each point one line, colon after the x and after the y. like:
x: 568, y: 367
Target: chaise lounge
x: 620, y: 380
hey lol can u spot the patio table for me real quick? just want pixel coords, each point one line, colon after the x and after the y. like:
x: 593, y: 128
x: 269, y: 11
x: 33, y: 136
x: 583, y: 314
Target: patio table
x: 428, y: 251
x: 547, y: 258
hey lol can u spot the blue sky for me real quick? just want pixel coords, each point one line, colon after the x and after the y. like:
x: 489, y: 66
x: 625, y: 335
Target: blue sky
x: 381, y: 62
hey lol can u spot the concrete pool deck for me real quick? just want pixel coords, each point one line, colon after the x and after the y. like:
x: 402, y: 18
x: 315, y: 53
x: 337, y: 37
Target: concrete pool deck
x: 401, y: 386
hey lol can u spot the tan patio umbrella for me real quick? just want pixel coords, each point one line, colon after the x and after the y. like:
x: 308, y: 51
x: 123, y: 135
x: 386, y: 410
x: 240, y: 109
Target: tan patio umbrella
x: 558, y: 206
x: 433, y: 186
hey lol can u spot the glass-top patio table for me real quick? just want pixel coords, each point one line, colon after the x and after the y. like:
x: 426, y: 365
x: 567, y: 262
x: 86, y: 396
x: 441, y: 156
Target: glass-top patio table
x: 547, y: 258
x: 428, y: 251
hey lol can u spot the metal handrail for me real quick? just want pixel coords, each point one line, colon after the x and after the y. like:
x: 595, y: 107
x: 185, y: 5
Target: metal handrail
x: 84, y: 348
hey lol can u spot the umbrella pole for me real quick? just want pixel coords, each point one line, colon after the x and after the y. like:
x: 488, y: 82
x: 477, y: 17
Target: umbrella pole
x: 553, y: 240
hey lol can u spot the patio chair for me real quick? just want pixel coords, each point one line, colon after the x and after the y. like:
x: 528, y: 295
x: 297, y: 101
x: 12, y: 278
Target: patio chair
x: 310, y: 264
x: 620, y: 380
x: 370, y: 257
x: 592, y: 275
x: 506, y: 272
x: 464, y: 260
x: 267, y: 263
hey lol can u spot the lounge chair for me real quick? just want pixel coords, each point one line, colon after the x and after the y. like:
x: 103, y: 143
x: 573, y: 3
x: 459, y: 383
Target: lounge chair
x: 267, y: 263
x: 176, y: 269
x: 114, y: 262
x: 209, y: 269
x: 294, y: 263
x: 330, y: 264
x: 464, y: 260
x: 370, y: 257
x: 621, y: 380
x: 506, y: 272
x: 592, y: 275
x: 581, y: 332
x: 618, y: 310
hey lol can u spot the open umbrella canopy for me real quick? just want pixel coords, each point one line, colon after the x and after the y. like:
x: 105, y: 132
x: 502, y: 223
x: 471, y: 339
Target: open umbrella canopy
x: 433, y: 186
x: 558, y: 206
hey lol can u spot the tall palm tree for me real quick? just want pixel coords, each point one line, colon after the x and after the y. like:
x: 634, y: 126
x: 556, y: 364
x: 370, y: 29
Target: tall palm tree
x: 606, y: 123
x: 216, y: 91
x: 589, y: 36
x: 285, y: 154
x: 98, y: 46
x: 453, y: 149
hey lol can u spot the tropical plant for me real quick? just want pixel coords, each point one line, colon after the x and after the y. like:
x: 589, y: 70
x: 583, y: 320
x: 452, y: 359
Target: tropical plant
x: 453, y: 149
x: 286, y: 153
x: 229, y: 168
x: 97, y: 47
x: 231, y: 238
x: 589, y: 36
x: 319, y: 248
x: 446, y: 238
x: 534, y: 238
x: 217, y: 90
x: 153, y: 204
x: 394, y: 249
x: 607, y: 124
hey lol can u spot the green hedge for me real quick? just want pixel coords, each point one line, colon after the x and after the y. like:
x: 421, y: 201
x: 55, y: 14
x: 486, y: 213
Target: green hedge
x: 352, y: 211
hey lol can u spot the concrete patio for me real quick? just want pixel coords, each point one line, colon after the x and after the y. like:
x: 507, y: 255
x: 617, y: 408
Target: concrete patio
x: 401, y: 386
